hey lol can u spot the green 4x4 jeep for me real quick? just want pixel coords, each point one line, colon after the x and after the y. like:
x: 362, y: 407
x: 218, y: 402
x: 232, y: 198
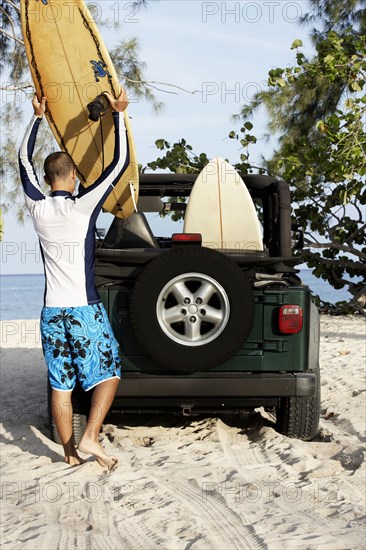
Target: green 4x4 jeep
x: 205, y: 330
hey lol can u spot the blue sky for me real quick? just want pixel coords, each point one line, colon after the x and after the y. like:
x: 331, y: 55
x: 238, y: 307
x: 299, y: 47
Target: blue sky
x: 223, y: 50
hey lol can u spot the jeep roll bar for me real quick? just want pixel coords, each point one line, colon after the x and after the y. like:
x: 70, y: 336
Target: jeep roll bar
x: 274, y: 194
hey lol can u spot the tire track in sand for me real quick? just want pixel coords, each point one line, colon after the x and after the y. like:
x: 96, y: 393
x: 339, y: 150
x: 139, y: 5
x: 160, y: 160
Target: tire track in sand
x: 223, y: 524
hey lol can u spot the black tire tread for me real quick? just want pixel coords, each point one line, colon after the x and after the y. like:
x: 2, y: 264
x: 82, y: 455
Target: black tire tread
x: 298, y: 417
x: 79, y: 422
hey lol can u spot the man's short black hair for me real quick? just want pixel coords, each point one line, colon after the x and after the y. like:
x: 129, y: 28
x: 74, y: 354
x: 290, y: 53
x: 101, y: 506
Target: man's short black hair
x: 58, y: 166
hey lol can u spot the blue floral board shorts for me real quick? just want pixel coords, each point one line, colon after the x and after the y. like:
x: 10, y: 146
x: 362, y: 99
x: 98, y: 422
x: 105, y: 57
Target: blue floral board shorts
x: 78, y: 343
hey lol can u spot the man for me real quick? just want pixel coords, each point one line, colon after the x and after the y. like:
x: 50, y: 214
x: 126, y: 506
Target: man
x: 77, y: 338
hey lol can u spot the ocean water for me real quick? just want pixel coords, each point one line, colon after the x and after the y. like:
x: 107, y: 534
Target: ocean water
x: 22, y: 295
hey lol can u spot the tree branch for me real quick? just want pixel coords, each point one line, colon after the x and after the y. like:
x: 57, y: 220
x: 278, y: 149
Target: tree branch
x: 151, y: 82
x: 10, y: 19
x: 358, y: 230
x: 22, y: 88
x: 360, y: 215
x: 12, y: 37
x: 341, y: 248
x: 344, y: 263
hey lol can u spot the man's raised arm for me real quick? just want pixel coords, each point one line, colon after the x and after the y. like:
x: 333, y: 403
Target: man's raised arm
x: 32, y: 190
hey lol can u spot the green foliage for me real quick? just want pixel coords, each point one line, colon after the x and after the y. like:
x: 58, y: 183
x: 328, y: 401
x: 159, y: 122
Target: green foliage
x: 325, y: 161
x: 178, y: 159
x: 296, y: 44
x: 245, y: 139
x: 317, y: 109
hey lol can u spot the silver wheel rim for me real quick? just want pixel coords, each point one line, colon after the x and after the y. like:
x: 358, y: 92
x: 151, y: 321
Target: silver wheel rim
x: 193, y: 309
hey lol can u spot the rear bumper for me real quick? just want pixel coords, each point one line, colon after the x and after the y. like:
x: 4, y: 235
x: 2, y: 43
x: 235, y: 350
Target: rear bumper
x: 244, y: 385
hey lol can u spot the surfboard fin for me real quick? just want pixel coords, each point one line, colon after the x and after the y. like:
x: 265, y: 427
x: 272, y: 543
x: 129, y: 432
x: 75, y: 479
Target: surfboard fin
x: 133, y: 195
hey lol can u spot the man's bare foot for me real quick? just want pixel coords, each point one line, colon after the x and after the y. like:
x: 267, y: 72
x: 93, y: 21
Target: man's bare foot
x: 74, y: 460
x: 91, y: 447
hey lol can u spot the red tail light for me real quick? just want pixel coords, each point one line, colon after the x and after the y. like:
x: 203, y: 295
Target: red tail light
x: 290, y: 319
x: 187, y: 238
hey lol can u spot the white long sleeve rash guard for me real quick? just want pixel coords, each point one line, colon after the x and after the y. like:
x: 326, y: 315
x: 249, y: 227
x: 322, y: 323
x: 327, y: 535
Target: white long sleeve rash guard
x: 65, y: 224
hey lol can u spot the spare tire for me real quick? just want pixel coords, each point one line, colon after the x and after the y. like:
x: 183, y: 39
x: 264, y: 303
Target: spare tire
x: 192, y: 308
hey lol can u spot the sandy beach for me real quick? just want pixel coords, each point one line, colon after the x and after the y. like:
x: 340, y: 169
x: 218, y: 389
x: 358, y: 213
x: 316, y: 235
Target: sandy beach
x: 187, y: 482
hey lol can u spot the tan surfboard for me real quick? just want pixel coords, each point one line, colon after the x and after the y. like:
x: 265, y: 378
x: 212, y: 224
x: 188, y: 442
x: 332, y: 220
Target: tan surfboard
x: 222, y: 210
x: 70, y: 65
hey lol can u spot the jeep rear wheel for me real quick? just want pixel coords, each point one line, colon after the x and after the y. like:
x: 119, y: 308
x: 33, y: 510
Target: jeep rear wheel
x: 192, y: 308
x: 298, y: 417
